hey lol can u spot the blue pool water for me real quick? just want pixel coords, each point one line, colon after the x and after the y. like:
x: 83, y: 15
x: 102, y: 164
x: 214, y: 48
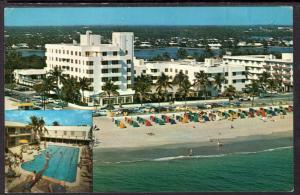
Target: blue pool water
x: 62, y: 164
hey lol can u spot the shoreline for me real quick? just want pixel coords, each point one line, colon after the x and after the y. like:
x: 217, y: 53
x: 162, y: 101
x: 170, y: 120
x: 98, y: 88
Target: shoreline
x: 112, y: 137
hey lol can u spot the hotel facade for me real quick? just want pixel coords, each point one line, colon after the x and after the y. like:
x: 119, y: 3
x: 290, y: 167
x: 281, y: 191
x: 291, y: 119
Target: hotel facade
x: 98, y: 63
x: 115, y: 61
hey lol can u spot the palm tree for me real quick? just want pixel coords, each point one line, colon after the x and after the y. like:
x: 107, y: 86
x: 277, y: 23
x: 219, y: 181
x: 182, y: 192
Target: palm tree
x: 163, y: 84
x: 37, y: 126
x: 229, y: 91
x: 44, y: 89
x: 185, y: 89
x: 218, y: 81
x: 263, y: 79
x: 70, y: 90
x: 142, y: 87
x: 272, y: 85
x: 57, y: 77
x: 84, y: 84
x: 109, y: 90
x: 202, y: 82
x: 253, y: 89
x: 179, y: 78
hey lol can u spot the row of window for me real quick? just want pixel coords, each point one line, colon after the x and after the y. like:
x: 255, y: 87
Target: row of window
x: 105, y: 79
x: 62, y: 51
x: 114, y: 70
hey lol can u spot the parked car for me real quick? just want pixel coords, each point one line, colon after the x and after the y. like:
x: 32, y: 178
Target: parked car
x: 247, y: 98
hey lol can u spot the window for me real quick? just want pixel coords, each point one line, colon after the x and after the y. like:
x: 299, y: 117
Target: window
x: 63, y: 51
x: 76, y: 69
x: 91, y: 88
x: 128, y: 61
x: 233, y: 73
x: 243, y: 73
x: 65, y: 133
x: 128, y: 86
x: 79, y: 53
x: 76, y: 61
x: 67, y: 51
x: 115, y: 79
x: 89, y: 63
x: 104, y: 79
x: 186, y: 72
x: 71, y: 60
x: 166, y: 70
x: 128, y: 78
x: 55, y: 132
x: 104, y: 62
x: 72, y: 133
x: 126, y: 52
x: 104, y: 71
x: 226, y: 73
x: 104, y: 54
x: 176, y: 70
x: 128, y: 69
x: 71, y: 52
x: 153, y: 70
x: 243, y: 80
x: 115, y: 62
x: 115, y: 53
x: 153, y: 77
x: 234, y: 81
x: 115, y: 70
x: 72, y: 69
x: 89, y: 71
x: 75, y: 53
x: 171, y: 70
x: 144, y: 71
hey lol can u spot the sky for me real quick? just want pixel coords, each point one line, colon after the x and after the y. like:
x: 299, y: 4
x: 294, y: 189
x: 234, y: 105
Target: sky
x: 279, y: 15
x: 63, y: 117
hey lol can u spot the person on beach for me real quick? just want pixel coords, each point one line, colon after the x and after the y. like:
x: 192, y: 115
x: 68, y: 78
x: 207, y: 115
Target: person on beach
x: 45, y: 145
x: 48, y: 156
x: 231, y: 126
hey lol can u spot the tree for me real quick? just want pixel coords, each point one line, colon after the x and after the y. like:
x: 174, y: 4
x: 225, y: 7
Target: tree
x: 109, y: 90
x: 142, y: 87
x: 57, y: 77
x: 84, y: 84
x: 185, y: 89
x: 55, y: 123
x: 181, y: 53
x: 37, y: 126
x: 179, y: 78
x: 229, y: 92
x: 253, y: 90
x: 272, y: 85
x: 202, y: 82
x: 44, y: 89
x: 218, y: 81
x: 163, y: 84
x: 70, y: 91
x: 263, y: 79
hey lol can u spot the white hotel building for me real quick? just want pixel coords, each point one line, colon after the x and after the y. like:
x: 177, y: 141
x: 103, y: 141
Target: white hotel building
x: 234, y: 75
x: 257, y: 64
x: 98, y: 62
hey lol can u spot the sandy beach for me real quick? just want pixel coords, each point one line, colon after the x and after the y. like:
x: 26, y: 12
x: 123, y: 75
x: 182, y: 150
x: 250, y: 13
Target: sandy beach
x: 111, y: 136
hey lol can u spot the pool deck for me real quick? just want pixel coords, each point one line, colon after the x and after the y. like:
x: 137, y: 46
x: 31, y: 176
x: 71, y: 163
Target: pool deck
x: 83, y: 181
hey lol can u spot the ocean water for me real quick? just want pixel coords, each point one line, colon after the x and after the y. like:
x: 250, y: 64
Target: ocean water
x: 259, y: 165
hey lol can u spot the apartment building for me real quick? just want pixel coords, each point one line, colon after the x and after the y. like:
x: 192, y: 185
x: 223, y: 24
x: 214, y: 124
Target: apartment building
x: 15, y: 132
x: 98, y: 62
x: 234, y: 75
x: 256, y: 64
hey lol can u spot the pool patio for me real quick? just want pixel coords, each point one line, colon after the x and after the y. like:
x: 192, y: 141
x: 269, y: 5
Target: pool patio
x: 83, y: 182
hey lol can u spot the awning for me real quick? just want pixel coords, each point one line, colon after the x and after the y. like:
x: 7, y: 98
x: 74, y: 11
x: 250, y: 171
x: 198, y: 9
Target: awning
x: 23, y: 141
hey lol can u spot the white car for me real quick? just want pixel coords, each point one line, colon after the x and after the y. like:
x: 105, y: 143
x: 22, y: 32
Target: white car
x: 245, y: 98
x: 50, y: 100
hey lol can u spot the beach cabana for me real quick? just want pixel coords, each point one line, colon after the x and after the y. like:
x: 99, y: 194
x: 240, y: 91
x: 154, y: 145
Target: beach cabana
x: 148, y: 123
x: 122, y: 125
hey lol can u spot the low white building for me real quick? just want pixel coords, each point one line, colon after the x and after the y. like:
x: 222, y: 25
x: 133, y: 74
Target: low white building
x: 234, y: 75
x: 16, y: 131
x: 29, y: 77
x: 257, y: 64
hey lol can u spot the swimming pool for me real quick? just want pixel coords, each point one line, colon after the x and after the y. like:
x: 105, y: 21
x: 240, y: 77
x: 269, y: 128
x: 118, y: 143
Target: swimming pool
x: 62, y: 164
